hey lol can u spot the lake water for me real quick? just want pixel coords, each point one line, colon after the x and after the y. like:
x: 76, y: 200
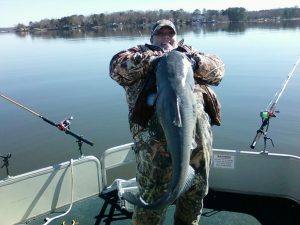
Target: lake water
x: 66, y: 74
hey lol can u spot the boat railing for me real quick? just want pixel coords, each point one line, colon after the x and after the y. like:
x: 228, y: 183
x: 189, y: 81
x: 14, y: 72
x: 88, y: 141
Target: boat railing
x: 38, y: 192
x: 248, y: 172
x: 114, y: 158
x: 41, y: 191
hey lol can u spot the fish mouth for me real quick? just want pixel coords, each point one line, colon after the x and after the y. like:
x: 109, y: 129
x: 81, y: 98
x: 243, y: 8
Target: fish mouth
x: 166, y: 45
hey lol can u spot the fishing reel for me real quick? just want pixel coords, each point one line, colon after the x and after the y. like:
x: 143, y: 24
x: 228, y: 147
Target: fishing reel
x: 268, y: 114
x: 65, y: 124
x: 263, y: 130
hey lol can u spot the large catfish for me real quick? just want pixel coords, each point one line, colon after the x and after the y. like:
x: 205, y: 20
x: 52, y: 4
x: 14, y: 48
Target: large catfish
x: 175, y: 109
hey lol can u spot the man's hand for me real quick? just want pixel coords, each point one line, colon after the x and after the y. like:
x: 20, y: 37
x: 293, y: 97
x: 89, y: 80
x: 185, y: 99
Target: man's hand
x: 184, y: 49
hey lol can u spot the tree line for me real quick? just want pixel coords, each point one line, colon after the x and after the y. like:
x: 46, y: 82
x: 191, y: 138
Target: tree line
x: 146, y: 18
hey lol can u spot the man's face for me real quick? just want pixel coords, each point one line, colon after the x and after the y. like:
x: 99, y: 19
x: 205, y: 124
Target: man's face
x: 165, y: 38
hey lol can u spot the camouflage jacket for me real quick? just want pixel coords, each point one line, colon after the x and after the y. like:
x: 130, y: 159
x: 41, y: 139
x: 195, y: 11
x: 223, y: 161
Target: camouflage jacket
x: 129, y: 68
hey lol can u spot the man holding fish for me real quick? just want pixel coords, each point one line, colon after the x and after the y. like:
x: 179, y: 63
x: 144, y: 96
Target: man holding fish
x: 171, y: 110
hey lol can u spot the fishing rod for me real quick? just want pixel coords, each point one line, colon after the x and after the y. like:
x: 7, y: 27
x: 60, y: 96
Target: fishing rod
x: 62, y: 126
x: 271, y: 112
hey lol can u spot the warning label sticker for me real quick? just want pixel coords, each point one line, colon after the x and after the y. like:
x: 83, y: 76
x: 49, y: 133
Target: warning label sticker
x: 223, y: 161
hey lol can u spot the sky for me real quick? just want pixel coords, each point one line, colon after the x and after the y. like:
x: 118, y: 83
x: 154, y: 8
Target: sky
x: 13, y: 12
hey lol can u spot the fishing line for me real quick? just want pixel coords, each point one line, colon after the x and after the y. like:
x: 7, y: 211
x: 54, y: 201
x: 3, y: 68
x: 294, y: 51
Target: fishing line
x: 271, y: 111
x: 64, y: 125
x: 279, y: 92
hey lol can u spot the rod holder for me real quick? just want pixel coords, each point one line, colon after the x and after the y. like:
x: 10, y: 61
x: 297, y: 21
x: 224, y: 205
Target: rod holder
x: 6, y: 162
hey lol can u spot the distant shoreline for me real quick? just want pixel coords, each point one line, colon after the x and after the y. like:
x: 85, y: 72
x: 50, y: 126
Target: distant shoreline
x: 14, y: 30
x: 145, y: 19
x: 7, y: 29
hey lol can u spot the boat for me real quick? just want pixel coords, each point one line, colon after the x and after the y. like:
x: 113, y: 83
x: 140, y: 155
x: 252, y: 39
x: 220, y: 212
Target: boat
x: 246, y: 187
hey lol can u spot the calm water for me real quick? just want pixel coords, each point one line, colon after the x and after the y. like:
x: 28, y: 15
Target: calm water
x: 62, y: 75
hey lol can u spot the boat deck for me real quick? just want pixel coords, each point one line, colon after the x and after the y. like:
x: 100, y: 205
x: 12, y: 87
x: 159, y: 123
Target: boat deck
x: 220, y: 209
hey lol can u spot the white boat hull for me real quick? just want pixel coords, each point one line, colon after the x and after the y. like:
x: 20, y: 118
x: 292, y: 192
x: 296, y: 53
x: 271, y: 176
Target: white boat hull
x: 37, y: 192
x: 41, y: 191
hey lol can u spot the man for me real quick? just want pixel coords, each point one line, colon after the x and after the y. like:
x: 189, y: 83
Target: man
x: 130, y: 68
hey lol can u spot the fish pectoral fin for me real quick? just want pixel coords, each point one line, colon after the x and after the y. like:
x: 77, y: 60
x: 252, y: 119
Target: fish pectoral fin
x: 194, y: 144
x: 189, y: 180
x: 177, y: 120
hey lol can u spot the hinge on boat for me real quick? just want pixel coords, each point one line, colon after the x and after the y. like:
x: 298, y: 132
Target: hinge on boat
x: 74, y: 222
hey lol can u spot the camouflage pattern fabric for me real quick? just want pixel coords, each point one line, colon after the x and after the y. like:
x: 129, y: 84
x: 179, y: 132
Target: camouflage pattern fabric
x: 154, y: 167
x: 129, y: 69
x: 154, y: 171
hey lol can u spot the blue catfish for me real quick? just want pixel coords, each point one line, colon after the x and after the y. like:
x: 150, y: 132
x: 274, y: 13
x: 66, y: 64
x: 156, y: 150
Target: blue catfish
x: 175, y: 110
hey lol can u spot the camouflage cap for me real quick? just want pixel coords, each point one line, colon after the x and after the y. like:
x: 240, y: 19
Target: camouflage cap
x: 162, y: 23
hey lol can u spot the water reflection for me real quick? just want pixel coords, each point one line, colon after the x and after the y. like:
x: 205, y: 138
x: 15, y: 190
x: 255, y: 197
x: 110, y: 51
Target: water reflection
x: 145, y: 31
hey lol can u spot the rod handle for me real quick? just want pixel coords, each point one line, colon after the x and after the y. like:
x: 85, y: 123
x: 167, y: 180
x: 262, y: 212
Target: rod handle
x: 256, y: 138
x: 260, y: 131
x: 78, y: 137
x: 48, y: 121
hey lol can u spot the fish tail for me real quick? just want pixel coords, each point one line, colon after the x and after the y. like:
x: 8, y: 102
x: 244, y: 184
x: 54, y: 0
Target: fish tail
x: 189, y: 179
x: 133, y: 199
